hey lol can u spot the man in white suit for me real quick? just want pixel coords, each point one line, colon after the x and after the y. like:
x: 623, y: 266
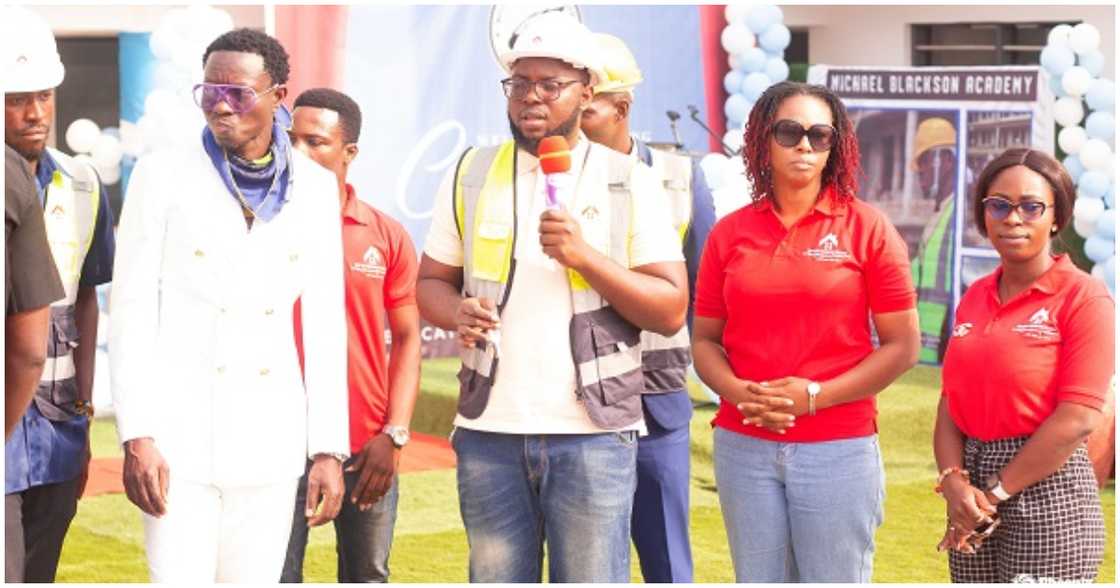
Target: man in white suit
x: 216, y: 243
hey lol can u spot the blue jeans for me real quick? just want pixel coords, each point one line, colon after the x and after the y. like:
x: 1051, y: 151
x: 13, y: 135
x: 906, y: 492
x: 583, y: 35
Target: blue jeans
x: 659, y: 525
x: 573, y: 492
x: 800, y: 512
x: 362, y: 539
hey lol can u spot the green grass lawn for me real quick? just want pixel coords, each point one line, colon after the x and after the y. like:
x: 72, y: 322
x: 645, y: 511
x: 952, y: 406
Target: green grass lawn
x: 105, y: 543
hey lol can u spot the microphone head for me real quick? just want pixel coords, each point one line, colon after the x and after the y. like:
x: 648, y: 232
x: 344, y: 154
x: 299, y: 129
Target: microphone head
x: 555, y: 155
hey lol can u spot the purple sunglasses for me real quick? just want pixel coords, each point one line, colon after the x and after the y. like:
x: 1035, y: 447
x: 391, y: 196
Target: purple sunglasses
x: 241, y: 99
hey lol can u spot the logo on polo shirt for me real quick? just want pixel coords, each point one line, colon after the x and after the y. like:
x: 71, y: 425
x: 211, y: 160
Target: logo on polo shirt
x: 962, y: 329
x: 372, y: 264
x: 1039, y: 326
x: 827, y: 250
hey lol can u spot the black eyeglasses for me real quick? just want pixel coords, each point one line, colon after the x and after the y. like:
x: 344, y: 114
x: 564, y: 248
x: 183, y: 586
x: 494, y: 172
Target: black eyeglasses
x: 241, y: 99
x: 788, y: 133
x: 999, y: 208
x: 547, y: 90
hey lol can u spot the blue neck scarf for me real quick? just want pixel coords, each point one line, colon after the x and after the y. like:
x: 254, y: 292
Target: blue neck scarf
x: 263, y: 186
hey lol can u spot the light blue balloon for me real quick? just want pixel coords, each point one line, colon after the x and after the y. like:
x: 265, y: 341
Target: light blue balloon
x: 1110, y: 196
x: 1093, y: 184
x: 776, y: 38
x: 112, y: 132
x: 1093, y: 62
x: 732, y: 81
x: 752, y: 60
x: 1098, y: 249
x: 754, y: 85
x: 736, y: 108
x: 1073, y: 166
x: 1101, y: 95
x: 761, y: 17
x: 1056, y: 87
x: 777, y: 69
x: 1101, y: 125
x: 1056, y: 59
x: 1110, y: 274
x: 1106, y: 225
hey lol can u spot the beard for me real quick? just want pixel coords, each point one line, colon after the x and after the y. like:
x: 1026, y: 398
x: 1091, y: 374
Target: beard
x: 562, y: 130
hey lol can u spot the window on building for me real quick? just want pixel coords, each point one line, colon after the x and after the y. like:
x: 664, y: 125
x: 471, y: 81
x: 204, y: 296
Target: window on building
x: 980, y: 43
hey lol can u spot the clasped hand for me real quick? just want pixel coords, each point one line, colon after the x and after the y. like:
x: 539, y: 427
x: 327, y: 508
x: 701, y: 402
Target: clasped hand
x: 774, y: 404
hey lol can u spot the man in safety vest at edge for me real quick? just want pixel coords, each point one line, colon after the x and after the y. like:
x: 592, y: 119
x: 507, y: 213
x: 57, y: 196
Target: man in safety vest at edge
x: 549, y: 281
x: 659, y: 525
x: 46, y: 458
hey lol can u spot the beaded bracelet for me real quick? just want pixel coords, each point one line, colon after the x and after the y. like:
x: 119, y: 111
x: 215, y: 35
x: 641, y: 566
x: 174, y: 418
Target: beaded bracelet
x: 945, y: 473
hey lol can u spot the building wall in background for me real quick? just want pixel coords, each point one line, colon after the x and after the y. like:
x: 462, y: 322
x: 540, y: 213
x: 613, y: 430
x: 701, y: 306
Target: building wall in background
x: 92, y: 20
x: 880, y: 35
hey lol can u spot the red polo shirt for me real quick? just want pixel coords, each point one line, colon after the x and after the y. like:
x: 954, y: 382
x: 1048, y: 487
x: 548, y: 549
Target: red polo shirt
x: 796, y: 302
x: 380, y: 276
x: 1008, y: 366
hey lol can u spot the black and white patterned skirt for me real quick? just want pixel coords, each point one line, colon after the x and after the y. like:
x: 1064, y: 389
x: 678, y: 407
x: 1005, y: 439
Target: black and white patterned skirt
x: 1051, y: 531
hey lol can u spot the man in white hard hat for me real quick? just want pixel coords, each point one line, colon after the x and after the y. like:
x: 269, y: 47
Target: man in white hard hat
x: 47, y: 455
x: 659, y: 525
x: 548, y: 303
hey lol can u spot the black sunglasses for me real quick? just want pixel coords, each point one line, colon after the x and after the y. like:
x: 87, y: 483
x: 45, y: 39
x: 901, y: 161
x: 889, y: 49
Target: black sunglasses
x: 1000, y: 208
x: 788, y: 133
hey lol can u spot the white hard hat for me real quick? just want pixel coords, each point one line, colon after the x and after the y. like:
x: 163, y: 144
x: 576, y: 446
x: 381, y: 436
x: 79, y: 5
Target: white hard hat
x: 556, y: 35
x: 31, y: 62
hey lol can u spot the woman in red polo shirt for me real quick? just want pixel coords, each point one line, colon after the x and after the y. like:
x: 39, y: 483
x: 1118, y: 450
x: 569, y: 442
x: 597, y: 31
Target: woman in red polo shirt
x: 782, y: 333
x: 1026, y: 373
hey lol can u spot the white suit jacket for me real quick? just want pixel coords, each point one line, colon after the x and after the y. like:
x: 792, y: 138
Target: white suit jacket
x: 201, y: 345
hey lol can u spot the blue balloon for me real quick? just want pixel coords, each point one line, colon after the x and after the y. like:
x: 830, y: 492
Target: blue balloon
x: 1099, y: 249
x: 1101, y: 125
x: 761, y: 17
x: 754, y: 85
x: 776, y: 38
x: 1106, y: 225
x: 1092, y: 61
x: 1056, y: 59
x: 1056, y: 86
x: 1110, y: 196
x: 1101, y: 95
x: 752, y: 60
x: 1073, y: 166
x: 732, y: 81
x: 1110, y: 274
x: 1093, y: 184
x: 777, y: 69
x: 736, y: 108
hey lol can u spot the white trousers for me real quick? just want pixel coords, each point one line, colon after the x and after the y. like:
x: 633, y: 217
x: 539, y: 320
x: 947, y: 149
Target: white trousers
x: 212, y: 534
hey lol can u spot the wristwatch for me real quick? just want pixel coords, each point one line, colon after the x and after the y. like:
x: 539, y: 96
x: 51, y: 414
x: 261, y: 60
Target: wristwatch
x: 339, y: 456
x: 995, y: 486
x: 813, y: 389
x: 398, y: 434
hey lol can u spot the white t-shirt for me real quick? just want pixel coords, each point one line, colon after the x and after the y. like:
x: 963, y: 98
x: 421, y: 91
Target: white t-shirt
x: 534, y: 392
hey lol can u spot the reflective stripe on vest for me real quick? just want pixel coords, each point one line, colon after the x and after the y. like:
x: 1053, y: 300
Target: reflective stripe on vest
x: 665, y: 360
x: 70, y: 216
x: 932, y: 276
x: 605, y: 347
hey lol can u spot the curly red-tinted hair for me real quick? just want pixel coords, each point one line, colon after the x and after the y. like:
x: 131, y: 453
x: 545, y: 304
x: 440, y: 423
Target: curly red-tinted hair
x: 842, y: 169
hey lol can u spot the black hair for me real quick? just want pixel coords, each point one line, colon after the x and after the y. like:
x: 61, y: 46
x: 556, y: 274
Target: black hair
x: 253, y: 41
x: 1055, y: 174
x: 349, y: 114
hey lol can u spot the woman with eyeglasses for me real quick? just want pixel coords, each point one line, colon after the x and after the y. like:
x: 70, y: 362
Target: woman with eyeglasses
x: 1026, y: 373
x: 782, y: 333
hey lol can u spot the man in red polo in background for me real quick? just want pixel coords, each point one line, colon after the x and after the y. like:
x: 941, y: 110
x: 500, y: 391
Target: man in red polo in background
x: 380, y: 282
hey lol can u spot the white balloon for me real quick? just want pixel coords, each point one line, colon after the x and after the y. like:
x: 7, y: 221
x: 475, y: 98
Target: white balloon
x: 734, y: 13
x: 1095, y: 155
x: 1083, y: 227
x: 1088, y: 209
x: 1070, y: 139
x: 106, y: 151
x: 81, y: 135
x: 712, y: 165
x: 132, y: 140
x: 1059, y: 35
x: 109, y: 174
x: 1084, y: 38
x: 159, y: 101
x: 733, y: 139
x: 1076, y: 81
x: 736, y: 38
x: 1068, y: 111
